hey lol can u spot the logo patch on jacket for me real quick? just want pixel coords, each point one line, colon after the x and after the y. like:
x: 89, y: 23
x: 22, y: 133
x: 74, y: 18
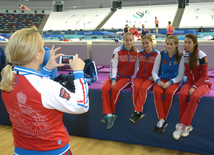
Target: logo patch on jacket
x: 206, y: 60
x: 164, y: 61
x: 64, y: 94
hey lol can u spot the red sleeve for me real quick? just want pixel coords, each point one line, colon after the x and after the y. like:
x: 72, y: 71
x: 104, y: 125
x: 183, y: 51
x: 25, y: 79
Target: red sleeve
x: 204, y: 73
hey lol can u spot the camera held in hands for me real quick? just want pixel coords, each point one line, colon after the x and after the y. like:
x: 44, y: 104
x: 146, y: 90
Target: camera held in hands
x: 65, y: 59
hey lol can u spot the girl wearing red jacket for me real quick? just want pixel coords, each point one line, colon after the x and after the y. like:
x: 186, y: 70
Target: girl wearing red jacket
x: 122, y: 69
x: 143, y: 81
x: 134, y: 31
x: 167, y: 72
x: 196, y: 86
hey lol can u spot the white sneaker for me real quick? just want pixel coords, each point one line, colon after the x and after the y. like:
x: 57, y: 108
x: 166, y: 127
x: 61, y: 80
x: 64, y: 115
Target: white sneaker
x: 179, y: 130
x: 186, y: 131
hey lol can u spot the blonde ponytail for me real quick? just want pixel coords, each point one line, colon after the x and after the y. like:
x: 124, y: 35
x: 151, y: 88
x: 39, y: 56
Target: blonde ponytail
x: 8, y: 79
x: 134, y: 48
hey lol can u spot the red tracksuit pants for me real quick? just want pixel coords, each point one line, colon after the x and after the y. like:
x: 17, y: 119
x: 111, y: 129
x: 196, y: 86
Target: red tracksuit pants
x: 139, y: 92
x: 163, y: 108
x: 110, y: 100
x: 187, y: 109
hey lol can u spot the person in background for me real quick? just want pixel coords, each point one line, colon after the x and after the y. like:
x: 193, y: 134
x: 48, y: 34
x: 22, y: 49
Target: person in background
x: 34, y: 102
x: 53, y: 74
x: 170, y: 29
x: 2, y: 59
x: 168, y: 72
x: 201, y: 29
x: 22, y: 7
x: 156, y: 24
x: 122, y: 68
x: 134, y: 31
x: 196, y: 86
x: 143, y: 81
x: 144, y: 31
x: 126, y: 29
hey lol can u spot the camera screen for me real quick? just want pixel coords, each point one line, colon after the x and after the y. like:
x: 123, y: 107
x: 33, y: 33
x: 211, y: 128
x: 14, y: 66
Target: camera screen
x: 65, y: 59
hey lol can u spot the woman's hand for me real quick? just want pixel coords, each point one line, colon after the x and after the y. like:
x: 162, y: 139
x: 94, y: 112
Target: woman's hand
x: 113, y: 83
x: 51, y: 62
x: 150, y: 78
x: 76, y: 63
x: 191, y: 91
x: 166, y: 85
x: 161, y: 84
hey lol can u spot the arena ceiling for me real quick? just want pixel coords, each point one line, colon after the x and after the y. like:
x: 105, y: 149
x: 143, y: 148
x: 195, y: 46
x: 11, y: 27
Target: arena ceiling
x: 107, y: 3
x: 86, y: 4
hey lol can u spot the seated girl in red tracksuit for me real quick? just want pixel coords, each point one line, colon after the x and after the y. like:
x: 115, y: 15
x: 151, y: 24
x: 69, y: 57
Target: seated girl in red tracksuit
x: 196, y: 86
x: 122, y: 69
x: 167, y: 72
x: 143, y: 81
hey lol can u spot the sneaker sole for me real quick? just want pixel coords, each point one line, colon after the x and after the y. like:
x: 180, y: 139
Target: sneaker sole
x: 132, y: 121
x: 141, y: 116
x: 175, y: 138
x: 164, y: 129
x: 184, y: 136
x: 103, y: 122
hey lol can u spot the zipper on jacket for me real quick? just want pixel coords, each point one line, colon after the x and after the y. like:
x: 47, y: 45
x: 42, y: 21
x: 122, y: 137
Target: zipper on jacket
x: 145, y: 67
x: 170, y: 60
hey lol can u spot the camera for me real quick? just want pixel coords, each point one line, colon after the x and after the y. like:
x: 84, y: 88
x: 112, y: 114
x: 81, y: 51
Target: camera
x: 65, y: 59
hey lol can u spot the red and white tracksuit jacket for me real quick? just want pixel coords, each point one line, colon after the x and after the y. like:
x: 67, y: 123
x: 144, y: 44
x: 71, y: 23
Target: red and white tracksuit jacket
x: 36, y: 107
x: 198, y: 79
x: 167, y: 70
x: 135, y: 33
x: 22, y: 7
x: 141, y: 84
x: 122, y: 69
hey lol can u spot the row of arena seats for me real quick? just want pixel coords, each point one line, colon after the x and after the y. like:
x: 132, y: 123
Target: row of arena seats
x: 194, y: 16
x: 76, y: 19
x: 11, y: 21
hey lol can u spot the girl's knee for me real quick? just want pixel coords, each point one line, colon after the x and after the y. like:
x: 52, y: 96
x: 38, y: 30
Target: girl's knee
x: 156, y: 92
x: 169, y: 93
x: 105, y: 89
x: 114, y: 89
x: 194, y: 98
x: 183, y: 93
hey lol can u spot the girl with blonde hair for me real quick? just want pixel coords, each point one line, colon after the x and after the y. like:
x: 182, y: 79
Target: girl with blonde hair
x: 122, y: 68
